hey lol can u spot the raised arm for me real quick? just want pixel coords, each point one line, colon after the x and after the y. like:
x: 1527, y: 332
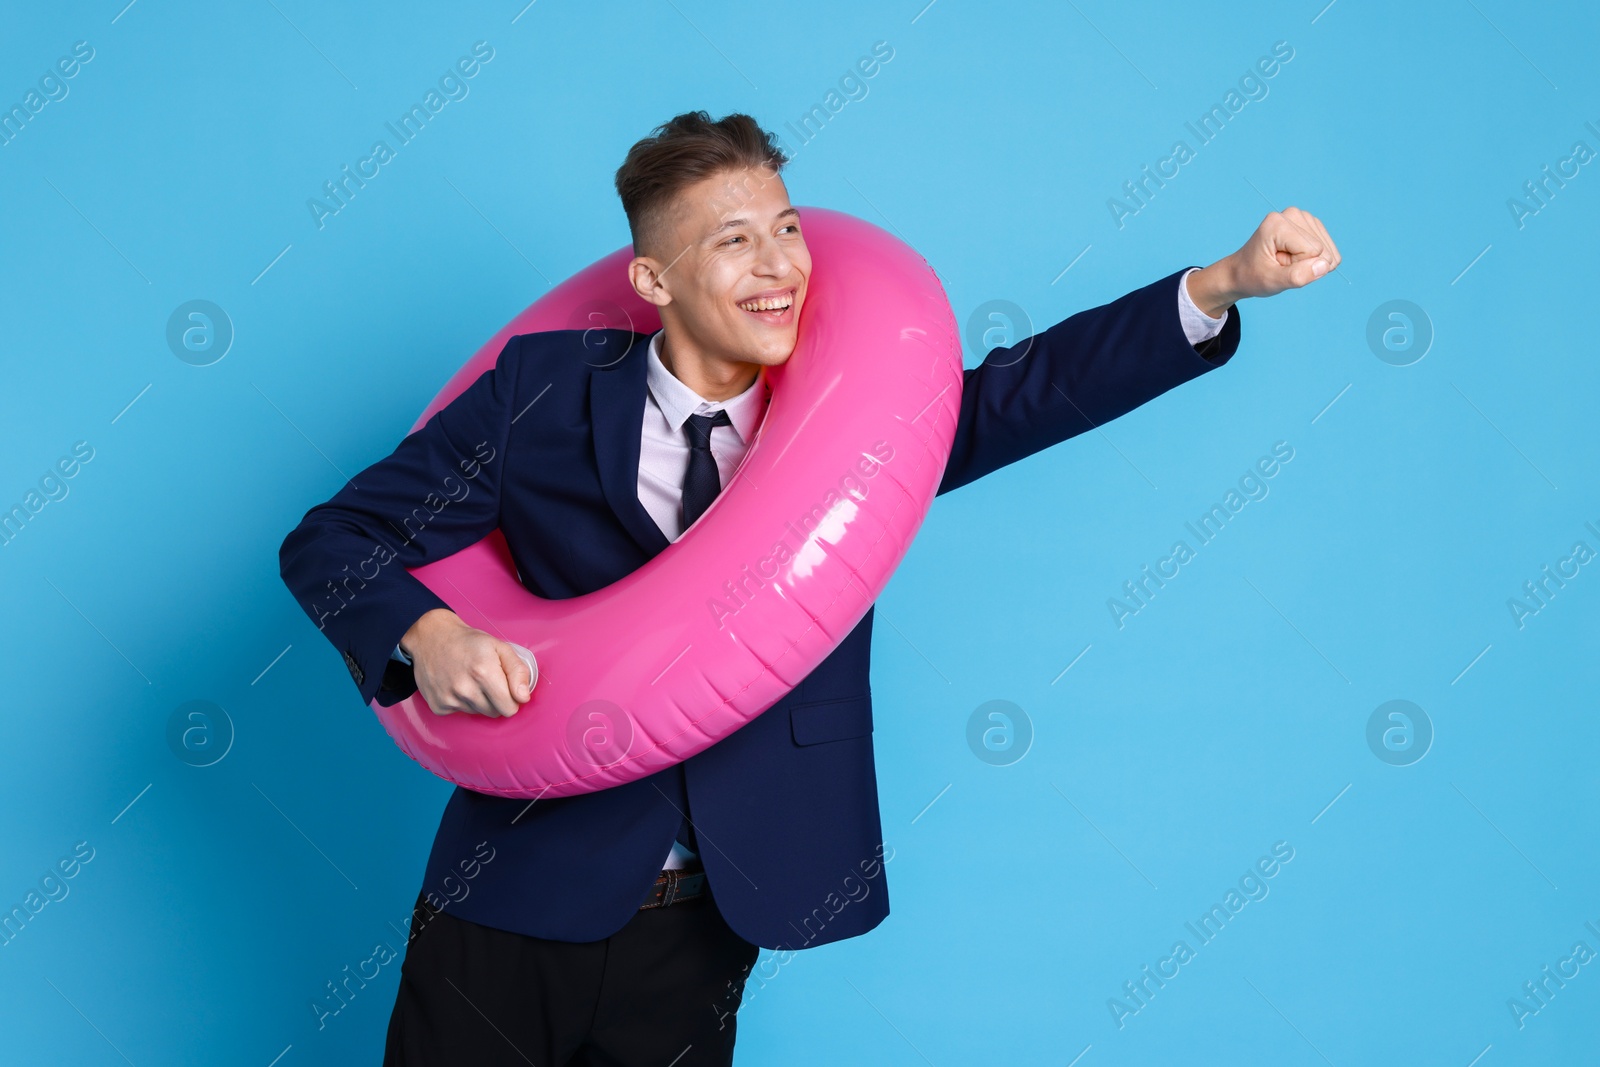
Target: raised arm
x: 1093, y: 366
x: 1080, y: 373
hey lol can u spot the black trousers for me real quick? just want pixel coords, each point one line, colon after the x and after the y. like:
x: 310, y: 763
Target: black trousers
x: 661, y: 991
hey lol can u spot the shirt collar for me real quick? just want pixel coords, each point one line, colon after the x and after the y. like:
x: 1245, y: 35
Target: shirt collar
x: 677, y: 401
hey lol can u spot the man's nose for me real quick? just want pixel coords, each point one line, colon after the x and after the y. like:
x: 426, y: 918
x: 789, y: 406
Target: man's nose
x: 771, y: 259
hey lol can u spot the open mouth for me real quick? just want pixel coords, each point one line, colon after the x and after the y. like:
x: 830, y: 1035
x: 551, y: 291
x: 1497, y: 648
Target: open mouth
x: 773, y: 310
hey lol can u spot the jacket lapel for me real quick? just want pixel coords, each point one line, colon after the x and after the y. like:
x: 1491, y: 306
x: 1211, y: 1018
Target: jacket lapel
x: 617, y: 396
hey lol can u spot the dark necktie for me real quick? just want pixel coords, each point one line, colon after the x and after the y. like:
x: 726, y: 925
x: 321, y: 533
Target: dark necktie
x: 701, y: 484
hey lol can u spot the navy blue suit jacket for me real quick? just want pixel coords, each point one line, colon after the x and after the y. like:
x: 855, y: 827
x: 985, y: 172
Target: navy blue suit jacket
x: 786, y: 807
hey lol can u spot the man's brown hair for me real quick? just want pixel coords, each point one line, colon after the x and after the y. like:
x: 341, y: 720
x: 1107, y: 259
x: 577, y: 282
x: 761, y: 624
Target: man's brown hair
x: 680, y: 152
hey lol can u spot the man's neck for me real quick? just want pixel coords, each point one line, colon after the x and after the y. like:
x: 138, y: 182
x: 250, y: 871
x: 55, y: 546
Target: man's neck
x: 713, y: 379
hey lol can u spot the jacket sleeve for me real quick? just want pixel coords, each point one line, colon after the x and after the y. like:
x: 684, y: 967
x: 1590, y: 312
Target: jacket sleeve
x: 1075, y: 376
x: 435, y: 494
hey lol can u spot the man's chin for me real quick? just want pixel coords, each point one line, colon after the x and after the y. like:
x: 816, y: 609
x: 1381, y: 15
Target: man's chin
x: 772, y: 353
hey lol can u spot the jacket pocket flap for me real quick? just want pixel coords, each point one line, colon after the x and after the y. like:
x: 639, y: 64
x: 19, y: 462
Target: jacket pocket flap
x: 831, y: 720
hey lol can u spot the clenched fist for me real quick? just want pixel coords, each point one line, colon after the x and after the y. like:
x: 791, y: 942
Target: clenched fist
x: 459, y: 668
x: 1290, y: 249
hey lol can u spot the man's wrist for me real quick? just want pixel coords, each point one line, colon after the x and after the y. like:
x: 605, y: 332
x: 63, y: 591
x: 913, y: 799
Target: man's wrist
x: 1212, y: 288
x: 430, y: 622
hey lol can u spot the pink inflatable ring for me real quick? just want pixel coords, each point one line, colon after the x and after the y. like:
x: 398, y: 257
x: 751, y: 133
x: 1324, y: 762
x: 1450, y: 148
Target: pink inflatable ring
x: 785, y: 562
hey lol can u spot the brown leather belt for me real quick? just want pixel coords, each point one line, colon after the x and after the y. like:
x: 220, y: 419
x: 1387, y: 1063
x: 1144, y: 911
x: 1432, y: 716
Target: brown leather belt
x: 676, y: 887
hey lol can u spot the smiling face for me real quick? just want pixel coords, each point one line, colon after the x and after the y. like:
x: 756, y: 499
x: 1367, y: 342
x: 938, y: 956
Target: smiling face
x: 730, y: 276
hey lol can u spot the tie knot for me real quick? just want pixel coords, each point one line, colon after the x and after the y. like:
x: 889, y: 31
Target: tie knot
x: 698, y: 427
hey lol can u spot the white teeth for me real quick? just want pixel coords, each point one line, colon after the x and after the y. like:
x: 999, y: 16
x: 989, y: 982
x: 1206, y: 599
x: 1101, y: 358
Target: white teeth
x: 770, y: 304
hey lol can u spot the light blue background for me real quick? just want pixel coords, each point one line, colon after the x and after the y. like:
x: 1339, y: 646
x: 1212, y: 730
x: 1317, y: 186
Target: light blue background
x: 1229, y: 714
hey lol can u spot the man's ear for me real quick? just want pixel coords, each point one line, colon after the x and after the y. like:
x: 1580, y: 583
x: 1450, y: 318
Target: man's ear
x: 646, y: 275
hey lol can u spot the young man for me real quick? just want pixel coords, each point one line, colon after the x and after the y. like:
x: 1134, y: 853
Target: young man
x: 618, y: 927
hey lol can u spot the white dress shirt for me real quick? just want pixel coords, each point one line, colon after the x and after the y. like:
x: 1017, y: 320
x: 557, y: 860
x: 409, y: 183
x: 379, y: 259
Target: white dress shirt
x: 664, y: 449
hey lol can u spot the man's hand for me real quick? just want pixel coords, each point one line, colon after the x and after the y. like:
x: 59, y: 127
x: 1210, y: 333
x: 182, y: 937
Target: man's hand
x: 459, y: 668
x: 1289, y: 249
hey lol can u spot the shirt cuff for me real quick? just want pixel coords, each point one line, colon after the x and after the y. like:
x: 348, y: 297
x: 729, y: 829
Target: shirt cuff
x: 401, y: 656
x: 1198, y: 327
